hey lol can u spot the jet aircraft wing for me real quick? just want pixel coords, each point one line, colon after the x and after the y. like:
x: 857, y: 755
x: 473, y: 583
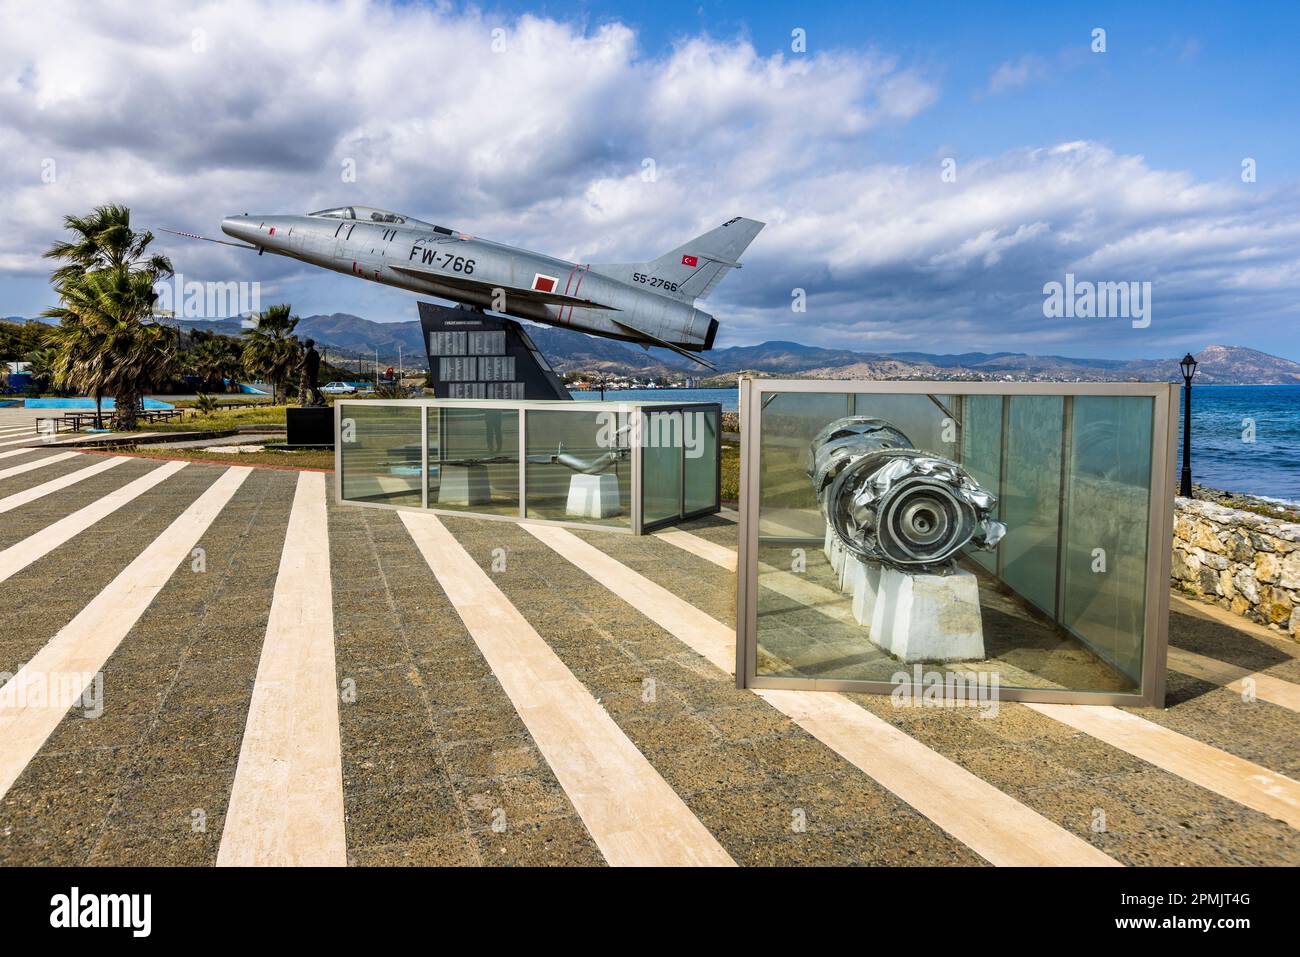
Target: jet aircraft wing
x: 488, y: 288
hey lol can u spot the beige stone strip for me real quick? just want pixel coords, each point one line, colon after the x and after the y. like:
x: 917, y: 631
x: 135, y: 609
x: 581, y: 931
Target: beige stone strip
x: 32, y: 466
x: 1285, y: 694
x: 631, y: 812
x: 286, y: 803
x: 10, y: 502
x: 705, y: 634
x: 1212, y: 768
x: 21, y: 554
x: 988, y: 821
x: 1200, y: 609
x: 991, y: 823
x: 80, y: 649
x: 12, y: 452
x: 700, y: 547
x: 25, y: 440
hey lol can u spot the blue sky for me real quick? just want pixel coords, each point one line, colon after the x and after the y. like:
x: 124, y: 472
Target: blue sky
x: 1118, y: 166
x: 1192, y: 86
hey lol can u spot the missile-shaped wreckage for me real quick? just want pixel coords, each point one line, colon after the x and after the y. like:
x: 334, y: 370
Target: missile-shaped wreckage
x: 894, y: 504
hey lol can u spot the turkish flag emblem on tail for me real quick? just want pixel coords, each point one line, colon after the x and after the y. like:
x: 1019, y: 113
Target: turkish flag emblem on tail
x: 690, y: 261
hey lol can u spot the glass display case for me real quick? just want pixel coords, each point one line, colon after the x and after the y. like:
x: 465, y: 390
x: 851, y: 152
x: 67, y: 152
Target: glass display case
x: 891, y: 531
x: 632, y: 466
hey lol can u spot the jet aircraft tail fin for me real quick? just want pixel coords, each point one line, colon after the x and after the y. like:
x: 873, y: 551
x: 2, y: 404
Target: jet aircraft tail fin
x: 691, y: 270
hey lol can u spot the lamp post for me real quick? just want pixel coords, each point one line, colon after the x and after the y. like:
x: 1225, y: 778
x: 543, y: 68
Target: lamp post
x: 1188, y: 365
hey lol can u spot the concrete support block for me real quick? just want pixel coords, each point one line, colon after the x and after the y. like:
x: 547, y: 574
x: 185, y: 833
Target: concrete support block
x: 464, y: 485
x: 593, y: 496
x: 863, y: 582
x: 928, y: 617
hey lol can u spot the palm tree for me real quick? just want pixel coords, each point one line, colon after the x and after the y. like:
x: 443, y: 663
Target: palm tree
x: 271, y: 350
x: 213, y: 359
x: 102, y: 315
x: 106, y: 344
x: 104, y: 239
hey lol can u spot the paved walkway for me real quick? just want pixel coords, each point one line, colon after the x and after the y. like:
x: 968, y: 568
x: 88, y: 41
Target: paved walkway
x: 218, y: 665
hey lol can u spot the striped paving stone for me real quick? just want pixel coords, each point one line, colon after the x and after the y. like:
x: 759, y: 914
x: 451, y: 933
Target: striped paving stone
x: 46, y: 595
x: 194, y: 657
x: 987, y: 820
x: 1256, y: 730
x: 768, y: 791
x: 60, y: 769
x: 47, y: 466
x: 699, y: 583
x: 286, y: 803
x: 434, y: 753
x: 90, y: 470
x: 26, y: 520
x: 9, y: 469
x: 1150, y: 814
x: 633, y: 815
x: 1242, y: 643
x: 1248, y: 684
x: 133, y: 802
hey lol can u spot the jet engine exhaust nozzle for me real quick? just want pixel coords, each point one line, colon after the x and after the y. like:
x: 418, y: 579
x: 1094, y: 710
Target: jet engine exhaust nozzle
x: 894, y: 504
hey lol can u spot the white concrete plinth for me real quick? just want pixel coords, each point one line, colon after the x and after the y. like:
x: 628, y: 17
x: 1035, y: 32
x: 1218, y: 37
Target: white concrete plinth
x: 837, y: 552
x: 593, y: 496
x: 862, y: 581
x: 928, y: 617
x: 464, y: 485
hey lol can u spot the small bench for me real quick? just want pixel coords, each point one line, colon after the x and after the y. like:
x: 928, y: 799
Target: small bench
x: 59, y: 423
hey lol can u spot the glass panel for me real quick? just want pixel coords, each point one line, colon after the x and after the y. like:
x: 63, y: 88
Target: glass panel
x: 661, y: 466
x: 474, y: 460
x: 1031, y: 496
x: 930, y: 422
x: 701, y: 479
x: 579, y: 466
x: 879, y: 539
x: 981, y: 455
x: 1106, y: 526
x: 380, y: 454
x: 790, y: 421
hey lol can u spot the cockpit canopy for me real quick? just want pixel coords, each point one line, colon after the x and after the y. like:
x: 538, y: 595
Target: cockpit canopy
x: 368, y: 214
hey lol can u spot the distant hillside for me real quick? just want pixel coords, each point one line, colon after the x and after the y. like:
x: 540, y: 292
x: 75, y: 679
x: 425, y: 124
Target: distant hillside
x: 348, y: 335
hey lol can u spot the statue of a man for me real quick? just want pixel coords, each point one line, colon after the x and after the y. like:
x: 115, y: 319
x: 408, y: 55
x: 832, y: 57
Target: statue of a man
x: 310, y: 374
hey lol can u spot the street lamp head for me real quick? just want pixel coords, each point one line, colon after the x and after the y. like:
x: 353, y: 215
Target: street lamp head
x: 1188, y: 365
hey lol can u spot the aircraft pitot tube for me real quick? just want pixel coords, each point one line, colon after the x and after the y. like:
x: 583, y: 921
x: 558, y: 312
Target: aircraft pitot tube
x: 892, y: 503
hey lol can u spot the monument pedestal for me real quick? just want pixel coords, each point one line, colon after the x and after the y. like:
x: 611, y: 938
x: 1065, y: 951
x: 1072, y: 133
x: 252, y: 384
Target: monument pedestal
x: 310, y: 427
x: 464, y: 485
x: 913, y: 616
x: 593, y: 496
x: 862, y: 581
x: 928, y: 617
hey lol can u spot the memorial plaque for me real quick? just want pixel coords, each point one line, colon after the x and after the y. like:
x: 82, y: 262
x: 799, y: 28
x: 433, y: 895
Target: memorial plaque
x: 476, y: 356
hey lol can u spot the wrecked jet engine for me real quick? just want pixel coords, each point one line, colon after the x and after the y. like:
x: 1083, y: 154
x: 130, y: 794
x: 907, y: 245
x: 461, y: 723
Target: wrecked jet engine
x: 892, y: 503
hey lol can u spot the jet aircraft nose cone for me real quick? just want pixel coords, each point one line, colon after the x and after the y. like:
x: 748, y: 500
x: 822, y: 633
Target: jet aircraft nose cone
x: 240, y: 227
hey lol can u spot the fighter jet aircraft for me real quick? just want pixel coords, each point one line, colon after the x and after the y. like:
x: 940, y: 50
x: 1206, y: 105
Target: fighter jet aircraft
x: 651, y: 303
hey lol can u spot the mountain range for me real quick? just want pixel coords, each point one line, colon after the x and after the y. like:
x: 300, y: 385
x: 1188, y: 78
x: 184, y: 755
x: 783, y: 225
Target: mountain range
x: 347, y: 336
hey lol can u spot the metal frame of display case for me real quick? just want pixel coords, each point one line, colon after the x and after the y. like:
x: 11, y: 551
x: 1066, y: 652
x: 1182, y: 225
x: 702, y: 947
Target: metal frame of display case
x: 1164, y: 398
x: 636, y: 412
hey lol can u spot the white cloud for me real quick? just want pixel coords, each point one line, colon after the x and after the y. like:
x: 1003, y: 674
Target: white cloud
x: 1014, y: 74
x: 543, y: 145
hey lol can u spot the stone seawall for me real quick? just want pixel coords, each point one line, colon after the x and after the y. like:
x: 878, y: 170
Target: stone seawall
x: 1242, y: 561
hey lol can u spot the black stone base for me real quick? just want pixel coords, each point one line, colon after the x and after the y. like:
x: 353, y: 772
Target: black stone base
x: 309, y: 427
